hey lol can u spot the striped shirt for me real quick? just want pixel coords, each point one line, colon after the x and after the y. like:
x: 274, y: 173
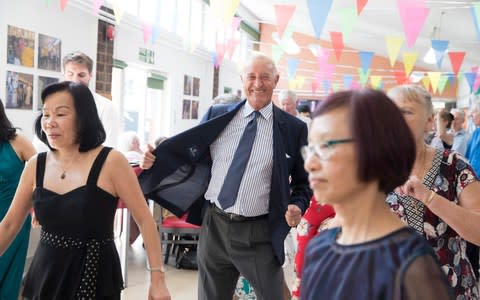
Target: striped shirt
x: 254, y: 192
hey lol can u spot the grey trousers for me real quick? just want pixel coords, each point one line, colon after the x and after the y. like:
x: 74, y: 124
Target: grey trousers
x: 227, y: 248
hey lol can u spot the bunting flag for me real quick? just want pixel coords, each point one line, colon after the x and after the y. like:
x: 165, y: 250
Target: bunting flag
x: 355, y: 85
x: 474, y: 69
x: 236, y: 21
x: 476, y: 17
x: 476, y: 84
x: 224, y: 9
x: 394, y: 44
x: 96, y: 6
x: 348, y: 18
x: 147, y: 31
x: 347, y: 81
x: 470, y: 77
x: 442, y: 83
x: 277, y: 52
x: 365, y: 59
x: 363, y: 76
x: 322, y: 56
x: 318, y: 11
x: 326, y: 86
x: 220, y: 48
x: 361, y: 5
x: 335, y: 86
x: 47, y: 2
x: 456, y: 59
x: 376, y: 82
x: 337, y: 43
x: 118, y: 11
x: 409, y: 60
x: 231, y: 46
x: 434, y: 79
x: 439, y: 47
x: 314, y: 86
x: 400, y: 77
x: 426, y: 82
x: 292, y: 65
x: 156, y: 29
x: 283, y: 14
x: 413, y: 14
x: 63, y: 4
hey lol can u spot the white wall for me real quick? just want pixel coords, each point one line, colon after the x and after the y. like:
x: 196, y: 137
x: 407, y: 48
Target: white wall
x: 76, y: 29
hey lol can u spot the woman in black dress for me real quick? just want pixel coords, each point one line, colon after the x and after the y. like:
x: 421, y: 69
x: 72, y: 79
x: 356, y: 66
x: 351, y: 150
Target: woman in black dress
x: 74, y: 189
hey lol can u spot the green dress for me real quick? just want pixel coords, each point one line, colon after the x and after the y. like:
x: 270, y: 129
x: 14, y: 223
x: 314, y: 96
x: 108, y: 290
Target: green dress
x: 12, y: 262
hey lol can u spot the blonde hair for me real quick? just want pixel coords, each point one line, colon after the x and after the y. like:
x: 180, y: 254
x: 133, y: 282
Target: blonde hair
x: 413, y: 93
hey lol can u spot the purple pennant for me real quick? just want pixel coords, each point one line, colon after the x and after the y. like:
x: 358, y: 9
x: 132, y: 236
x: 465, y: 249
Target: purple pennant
x: 318, y: 10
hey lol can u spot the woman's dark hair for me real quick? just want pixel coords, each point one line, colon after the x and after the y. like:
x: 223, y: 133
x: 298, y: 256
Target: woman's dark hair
x: 448, y: 117
x: 384, y: 145
x: 90, y: 132
x: 7, y: 131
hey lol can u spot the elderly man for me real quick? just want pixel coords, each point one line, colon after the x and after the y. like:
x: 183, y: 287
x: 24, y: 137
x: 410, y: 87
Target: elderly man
x: 473, y: 146
x: 460, y: 136
x: 288, y: 103
x: 236, y: 168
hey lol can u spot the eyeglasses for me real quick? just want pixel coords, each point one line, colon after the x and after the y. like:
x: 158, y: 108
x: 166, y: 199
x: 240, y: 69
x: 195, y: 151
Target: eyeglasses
x: 322, y: 151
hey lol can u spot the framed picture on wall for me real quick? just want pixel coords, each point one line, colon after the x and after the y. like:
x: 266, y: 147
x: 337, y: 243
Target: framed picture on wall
x: 187, y: 85
x: 194, y: 109
x: 20, y: 46
x: 196, y: 86
x: 186, y: 109
x: 43, y: 81
x: 19, y: 88
x: 49, y: 53
x: 227, y: 90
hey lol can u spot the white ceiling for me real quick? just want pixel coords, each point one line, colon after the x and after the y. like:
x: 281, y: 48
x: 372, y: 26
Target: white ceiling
x: 380, y: 18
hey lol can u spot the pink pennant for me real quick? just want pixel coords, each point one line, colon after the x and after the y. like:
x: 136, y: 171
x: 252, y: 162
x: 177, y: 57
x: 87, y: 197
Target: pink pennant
x: 236, y: 23
x: 220, y: 54
x: 325, y: 72
x: 355, y: 85
x: 337, y: 43
x: 476, y: 84
x: 456, y: 59
x: 147, y: 31
x: 63, y: 4
x: 322, y: 57
x: 283, y: 14
x: 360, y: 5
x: 314, y: 86
x: 474, y: 69
x: 413, y: 14
x: 96, y: 6
x: 231, y: 46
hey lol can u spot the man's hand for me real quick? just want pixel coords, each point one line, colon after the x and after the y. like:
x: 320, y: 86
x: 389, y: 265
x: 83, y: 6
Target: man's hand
x: 293, y: 215
x: 148, y: 158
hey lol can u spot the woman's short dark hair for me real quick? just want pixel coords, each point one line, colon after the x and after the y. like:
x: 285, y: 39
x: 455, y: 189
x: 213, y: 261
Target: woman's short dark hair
x: 90, y: 132
x: 384, y: 145
x: 7, y: 131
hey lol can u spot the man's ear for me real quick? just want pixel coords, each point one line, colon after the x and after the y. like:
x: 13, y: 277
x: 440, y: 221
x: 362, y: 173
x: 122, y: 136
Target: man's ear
x: 277, y: 77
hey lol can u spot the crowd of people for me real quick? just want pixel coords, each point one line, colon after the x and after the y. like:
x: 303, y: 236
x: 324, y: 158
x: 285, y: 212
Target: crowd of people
x: 355, y: 193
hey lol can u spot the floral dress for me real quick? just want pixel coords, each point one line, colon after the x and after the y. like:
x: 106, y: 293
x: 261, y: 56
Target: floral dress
x: 449, y: 175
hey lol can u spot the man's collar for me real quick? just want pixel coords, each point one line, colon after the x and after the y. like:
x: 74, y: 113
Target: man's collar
x: 265, y: 111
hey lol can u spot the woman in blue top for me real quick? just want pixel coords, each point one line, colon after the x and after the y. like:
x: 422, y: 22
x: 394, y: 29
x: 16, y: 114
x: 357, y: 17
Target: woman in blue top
x: 360, y: 149
x: 14, y: 151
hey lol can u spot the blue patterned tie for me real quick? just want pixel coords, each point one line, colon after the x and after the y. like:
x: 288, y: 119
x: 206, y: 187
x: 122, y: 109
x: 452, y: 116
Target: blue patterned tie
x: 229, y: 191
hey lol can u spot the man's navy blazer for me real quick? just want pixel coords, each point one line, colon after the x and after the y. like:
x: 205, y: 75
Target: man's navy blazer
x: 180, y: 175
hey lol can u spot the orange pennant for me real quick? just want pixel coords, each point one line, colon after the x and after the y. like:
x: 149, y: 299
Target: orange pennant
x: 337, y: 43
x: 456, y: 59
x: 283, y: 14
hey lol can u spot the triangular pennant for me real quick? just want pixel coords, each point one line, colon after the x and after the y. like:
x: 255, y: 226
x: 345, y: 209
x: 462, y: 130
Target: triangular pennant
x: 63, y: 4
x: 360, y: 5
x: 323, y: 55
x: 456, y: 59
x: 300, y: 82
x: 348, y: 17
x: 292, y: 83
x: 470, y: 77
x: 326, y: 86
x: 283, y: 14
x: 376, y: 81
x: 292, y: 65
x: 318, y: 11
x: 156, y: 29
x: 236, y: 21
x: 220, y: 54
x: 474, y: 69
x: 47, y: 2
x: 476, y: 84
x: 476, y: 17
x: 96, y: 6
x: 394, y: 44
x: 363, y: 76
x: 442, y: 83
x: 365, y: 59
x: 355, y: 85
x: 118, y: 11
x: 337, y: 43
x: 434, y: 79
x: 347, y: 81
x: 400, y: 77
x: 224, y: 9
x: 439, y: 47
x: 277, y: 52
x: 409, y: 60
x: 426, y: 82
x: 147, y: 31
x: 231, y: 46
x: 413, y: 14
x: 335, y: 86
x: 314, y: 86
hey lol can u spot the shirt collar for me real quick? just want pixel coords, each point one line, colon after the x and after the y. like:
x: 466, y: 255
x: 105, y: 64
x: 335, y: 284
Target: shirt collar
x: 266, y: 112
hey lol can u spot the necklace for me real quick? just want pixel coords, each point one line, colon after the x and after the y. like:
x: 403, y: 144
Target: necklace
x: 64, y: 170
x: 422, y: 173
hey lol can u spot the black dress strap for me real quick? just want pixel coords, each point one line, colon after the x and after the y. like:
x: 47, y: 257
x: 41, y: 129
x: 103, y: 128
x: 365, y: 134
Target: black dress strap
x: 97, y: 166
x: 41, y: 159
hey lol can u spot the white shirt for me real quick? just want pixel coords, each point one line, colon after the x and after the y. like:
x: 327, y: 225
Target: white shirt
x: 109, y: 117
x: 254, y: 191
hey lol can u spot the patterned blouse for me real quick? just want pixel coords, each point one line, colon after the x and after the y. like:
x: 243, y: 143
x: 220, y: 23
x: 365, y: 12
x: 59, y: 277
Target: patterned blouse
x: 449, y: 175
